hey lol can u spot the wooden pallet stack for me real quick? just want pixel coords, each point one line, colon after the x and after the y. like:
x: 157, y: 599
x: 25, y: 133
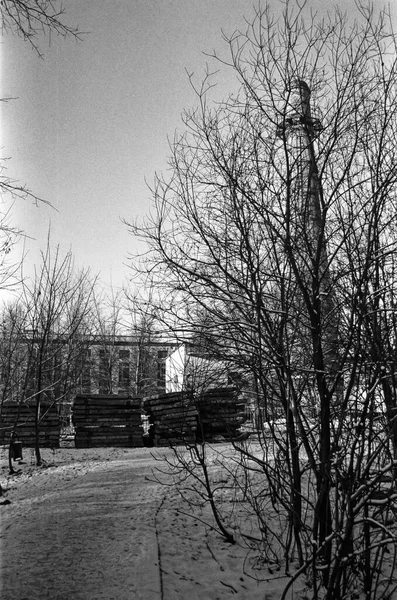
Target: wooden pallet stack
x: 21, y: 419
x: 180, y: 417
x: 173, y: 418
x: 107, y: 421
x: 221, y: 413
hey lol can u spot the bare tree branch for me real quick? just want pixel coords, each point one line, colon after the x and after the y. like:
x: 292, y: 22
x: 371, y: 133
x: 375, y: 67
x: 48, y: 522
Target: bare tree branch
x: 30, y: 18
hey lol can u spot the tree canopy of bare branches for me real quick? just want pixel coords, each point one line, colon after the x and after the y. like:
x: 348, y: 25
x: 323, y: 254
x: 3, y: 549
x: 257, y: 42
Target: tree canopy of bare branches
x: 30, y: 18
x: 45, y: 337
x: 273, y: 239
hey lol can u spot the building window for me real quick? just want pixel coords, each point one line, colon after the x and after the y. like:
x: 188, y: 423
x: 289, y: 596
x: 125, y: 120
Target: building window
x: 105, y: 373
x: 124, y: 370
x: 161, y: 356
x: 86, y: 374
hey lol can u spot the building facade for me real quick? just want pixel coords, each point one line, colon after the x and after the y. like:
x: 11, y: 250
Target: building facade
x: 125, y: 365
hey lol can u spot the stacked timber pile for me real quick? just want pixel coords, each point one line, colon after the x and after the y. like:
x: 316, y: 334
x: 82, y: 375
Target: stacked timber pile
x: 180, y: 417
x: 173, y: 418
x: 107, y: 421
x: 221, y: 413
x: 21, y: 419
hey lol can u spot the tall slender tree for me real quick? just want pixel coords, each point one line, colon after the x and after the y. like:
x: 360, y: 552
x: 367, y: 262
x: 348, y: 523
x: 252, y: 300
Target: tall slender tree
x: 58, y: 307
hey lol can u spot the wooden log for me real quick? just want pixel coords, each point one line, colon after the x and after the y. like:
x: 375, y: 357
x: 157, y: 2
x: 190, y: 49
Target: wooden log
x: 107, y: 402
x: 106, y: 410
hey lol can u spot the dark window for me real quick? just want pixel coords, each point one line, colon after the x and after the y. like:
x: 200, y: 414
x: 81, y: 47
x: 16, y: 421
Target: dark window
x: 161, y: 356
x: 86, y: 374
x: 124, y: 369
x: 105, y: 372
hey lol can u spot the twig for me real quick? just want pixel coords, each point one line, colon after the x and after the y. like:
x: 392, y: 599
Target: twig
x: 213, y: 556
x: 229, y: 586
x: 158, y: 548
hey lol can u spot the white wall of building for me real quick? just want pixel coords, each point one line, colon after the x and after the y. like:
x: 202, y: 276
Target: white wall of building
x: 175, y: 370
x: 186, y: 371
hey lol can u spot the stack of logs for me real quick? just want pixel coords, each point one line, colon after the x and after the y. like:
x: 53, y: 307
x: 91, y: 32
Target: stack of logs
x: 21, y: 419
x: 102, y: 421
x: 181, y: 417
x: 221, y: 413
x: 172, y: 418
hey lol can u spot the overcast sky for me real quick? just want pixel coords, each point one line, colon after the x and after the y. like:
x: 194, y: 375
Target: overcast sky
x: 90, y: 121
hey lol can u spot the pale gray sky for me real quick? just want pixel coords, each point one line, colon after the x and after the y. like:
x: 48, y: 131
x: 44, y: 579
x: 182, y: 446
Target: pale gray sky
x: 91, y: 120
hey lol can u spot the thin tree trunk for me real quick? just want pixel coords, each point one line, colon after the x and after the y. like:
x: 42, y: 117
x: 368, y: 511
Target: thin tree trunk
x: 37, y: 430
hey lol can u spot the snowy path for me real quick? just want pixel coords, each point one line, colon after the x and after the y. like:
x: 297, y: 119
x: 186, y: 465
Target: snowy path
x: 92, y: 526
x: 85, y: 536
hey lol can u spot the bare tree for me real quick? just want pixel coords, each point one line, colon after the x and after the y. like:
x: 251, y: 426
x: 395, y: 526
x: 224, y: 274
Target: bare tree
x: 104, y: 348
x: 127, y: 350
x: 58, y: 315
x: 13, y: 356
x: 150, y: 344
x: 275, y: 237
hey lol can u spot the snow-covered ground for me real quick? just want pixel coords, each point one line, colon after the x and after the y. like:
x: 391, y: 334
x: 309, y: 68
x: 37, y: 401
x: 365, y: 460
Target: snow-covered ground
x: 95, y: 524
